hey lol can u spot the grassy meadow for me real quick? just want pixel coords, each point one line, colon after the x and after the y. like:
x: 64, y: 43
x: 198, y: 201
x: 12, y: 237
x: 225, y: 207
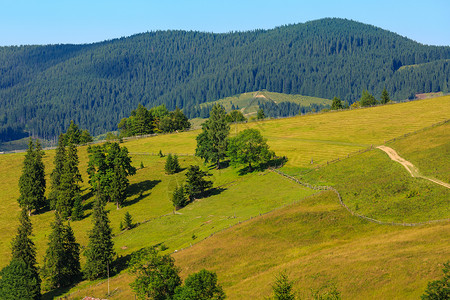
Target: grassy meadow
x: 308, y: 234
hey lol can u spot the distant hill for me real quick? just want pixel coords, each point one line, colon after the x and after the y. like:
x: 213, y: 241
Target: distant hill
x: 43, y: 87
x: 275, y: 104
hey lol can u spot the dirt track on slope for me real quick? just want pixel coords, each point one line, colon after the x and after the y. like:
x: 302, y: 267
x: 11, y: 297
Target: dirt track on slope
x: 409, y: 166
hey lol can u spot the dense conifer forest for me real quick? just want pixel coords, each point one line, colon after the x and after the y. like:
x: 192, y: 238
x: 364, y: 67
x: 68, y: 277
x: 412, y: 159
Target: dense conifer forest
x: 42, y: 88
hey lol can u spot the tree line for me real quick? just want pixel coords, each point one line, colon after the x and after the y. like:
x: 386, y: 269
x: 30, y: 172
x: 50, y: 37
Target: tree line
x: 42, y: 88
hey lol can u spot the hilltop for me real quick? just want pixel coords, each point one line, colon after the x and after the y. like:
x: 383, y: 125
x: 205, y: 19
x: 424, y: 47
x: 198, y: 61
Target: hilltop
x: 42, y: 88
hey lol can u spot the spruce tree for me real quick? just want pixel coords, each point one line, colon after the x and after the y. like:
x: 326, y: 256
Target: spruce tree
x: 69, y: 183
x: 168, y: 165
x: 384, y: 96
x: 24, y: 249
x: 77, y: 211
x: 72, y: 255
x: 179, y: 198
x: 212, y: 141
x: 32, y: 180
x: 127, y: 221
x: 100, y: 249
x: 196, y: 185
x: 18, y: 281
x: 55, y: 176
x: 54, y: 261
x: 282, y: 288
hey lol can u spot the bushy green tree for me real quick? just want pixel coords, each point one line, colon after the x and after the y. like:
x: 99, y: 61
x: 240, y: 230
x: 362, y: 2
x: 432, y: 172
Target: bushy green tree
x: 32, y: 180
x: 77, y: 210
x: 100, y: 249
x: 337, y: 104
x: 196, y: 185
x: 367, y: 99
x: 212, y: 141
x: 24, y: 249
x: 439, y: 289
x: 108, y: 168
x: 282, y: 288
x: 260, y: 115
x: 156, y: 275
x: 249, y: 147
x: 18, y: 281
x: 62, y: 258
x: 174, y: 121
x: 235, y: 116
x: 199, y: 286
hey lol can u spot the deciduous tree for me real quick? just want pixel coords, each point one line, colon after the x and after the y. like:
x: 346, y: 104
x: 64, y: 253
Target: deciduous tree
x: 249, y: 147
x: 199, y: 286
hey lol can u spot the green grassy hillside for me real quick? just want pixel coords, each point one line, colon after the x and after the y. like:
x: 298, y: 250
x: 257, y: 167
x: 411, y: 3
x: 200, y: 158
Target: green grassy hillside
x: 248, y: 102
x: 314, y: 238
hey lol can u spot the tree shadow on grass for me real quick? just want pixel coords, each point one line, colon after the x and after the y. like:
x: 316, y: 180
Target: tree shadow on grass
x: 139, y: 189
x: 276, y: 162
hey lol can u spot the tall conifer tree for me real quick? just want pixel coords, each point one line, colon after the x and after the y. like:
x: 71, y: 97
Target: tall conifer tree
x: 100, y: 249
x: 62, y: 258
x: 55, y: 176
x: 69, y: 183
x: 32, y: 180
x: 212, y: 141
x: 24, y: 249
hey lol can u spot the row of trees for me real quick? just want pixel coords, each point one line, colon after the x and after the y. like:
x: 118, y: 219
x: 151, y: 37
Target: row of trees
x: 157, y: 119
x: 22, y: 279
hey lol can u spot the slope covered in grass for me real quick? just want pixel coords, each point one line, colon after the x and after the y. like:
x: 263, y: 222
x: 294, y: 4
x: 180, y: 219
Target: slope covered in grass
x: 317, y: 242
x: 237, y: 198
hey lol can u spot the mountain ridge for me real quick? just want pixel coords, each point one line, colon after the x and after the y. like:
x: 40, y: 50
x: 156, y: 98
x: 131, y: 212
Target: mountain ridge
x: 43, y: 87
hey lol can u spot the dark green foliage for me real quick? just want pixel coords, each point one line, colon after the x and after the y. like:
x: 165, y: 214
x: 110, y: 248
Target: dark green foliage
x: 337, y: 104
x: 439, y: 289
x: 260, y: 114
x: 107, y: 80
x: 199, y: 286
x: 100, y: 249
x: 235, y: 116
x: 367, y: 99
x: 156, y: 275
x: 249, y: 147
x: 282, y: 288
x: 157, y: 119
x: 141, y: 165
x: 212, y: 141
x: 108, y: 168
x: 385, y: 97
x: 69, y: 189
x: 174, y: 121
x: 32, y: 180
x: 196, y: 185
x: 77, y: 210
x: 75, y: 136
x: 55, y: 176
x: 172, y: 165
x: 24, y: 249
x: 160, y: 153
x: 127, y: 221
x: 62, y: 258
x: 179, y: 198
x: 18, y: 281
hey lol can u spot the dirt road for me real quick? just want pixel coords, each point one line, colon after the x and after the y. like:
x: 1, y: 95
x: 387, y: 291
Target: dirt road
x: 409, y: 166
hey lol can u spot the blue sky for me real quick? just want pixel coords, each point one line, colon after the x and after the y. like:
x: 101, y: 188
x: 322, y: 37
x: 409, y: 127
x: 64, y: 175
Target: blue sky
x: 67, y: 21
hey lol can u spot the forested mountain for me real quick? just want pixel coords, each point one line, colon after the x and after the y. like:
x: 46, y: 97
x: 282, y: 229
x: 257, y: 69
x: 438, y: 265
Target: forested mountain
x: 42, y: 88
